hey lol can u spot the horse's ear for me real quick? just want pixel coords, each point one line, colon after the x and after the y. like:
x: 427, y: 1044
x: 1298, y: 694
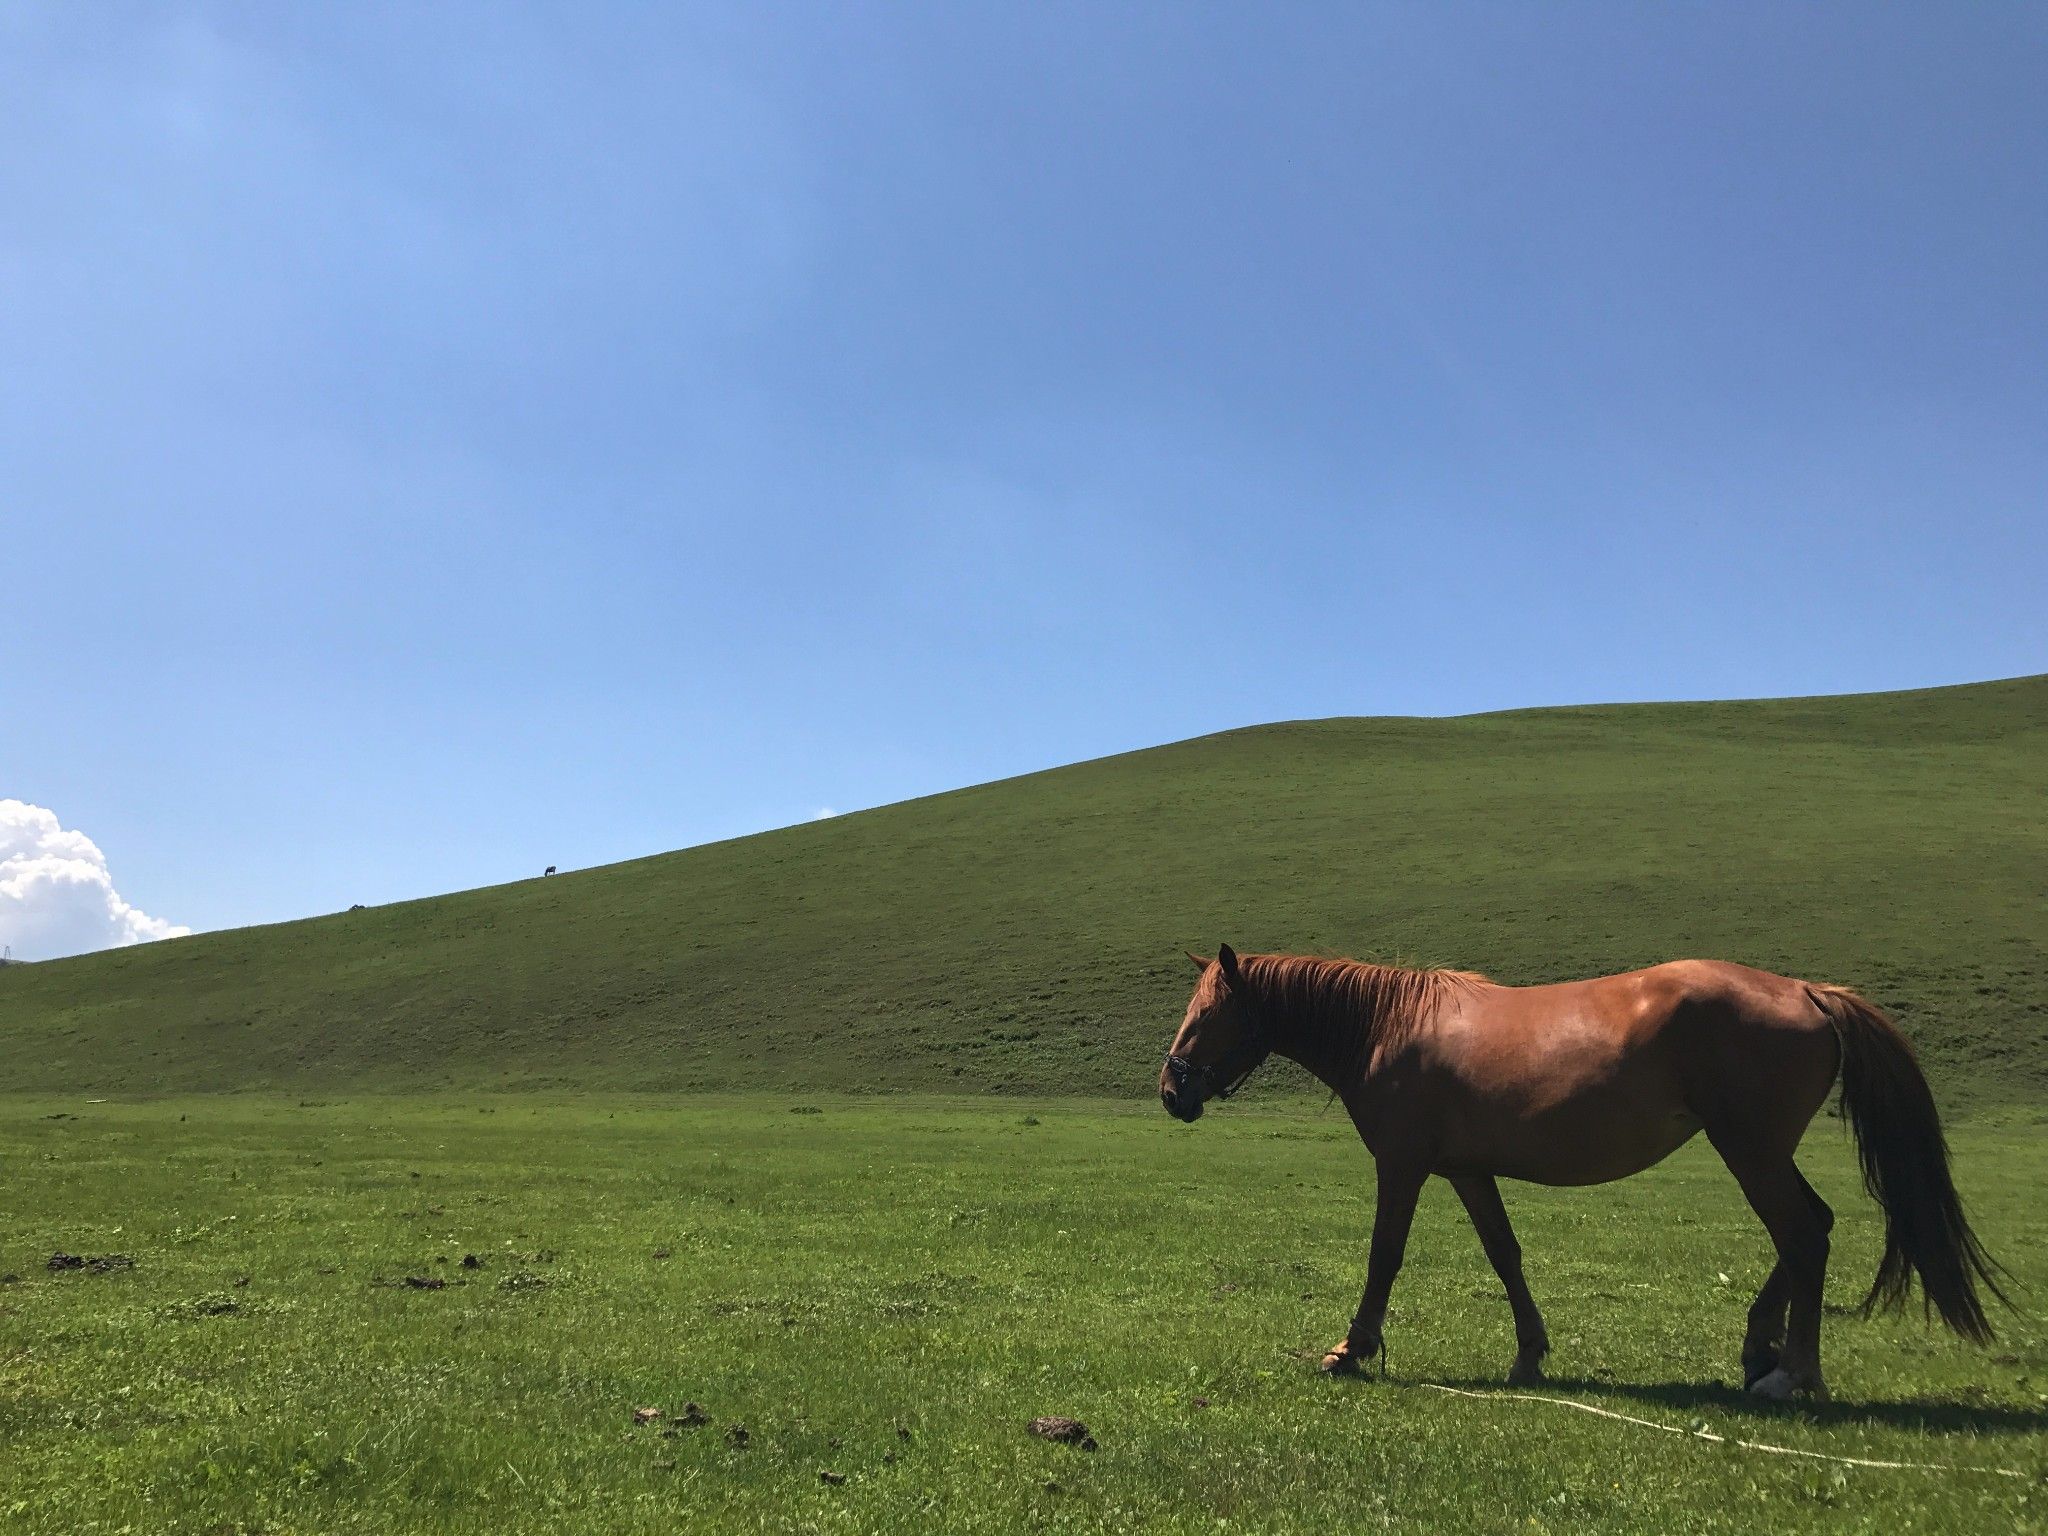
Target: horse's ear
x: 1200, y: 963
x: 1227, y: 958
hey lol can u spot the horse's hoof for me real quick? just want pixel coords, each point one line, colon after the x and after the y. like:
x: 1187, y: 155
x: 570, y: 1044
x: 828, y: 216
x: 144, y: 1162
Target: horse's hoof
x: 1774, y: 1384
x: 1756, y: 1367
x: 1780, y: 1385
x: 1527, y: 1373
x: 1340, y: 1362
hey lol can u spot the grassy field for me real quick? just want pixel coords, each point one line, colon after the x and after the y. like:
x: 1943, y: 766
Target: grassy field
x: 1025, y: 937
x: 887, y: 1292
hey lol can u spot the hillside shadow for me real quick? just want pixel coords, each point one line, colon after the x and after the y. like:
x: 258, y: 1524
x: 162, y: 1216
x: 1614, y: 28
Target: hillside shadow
x: 1934, y: 1418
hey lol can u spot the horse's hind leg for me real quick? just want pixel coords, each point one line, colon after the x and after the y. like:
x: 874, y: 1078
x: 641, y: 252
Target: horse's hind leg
x: 1497, y: 1236
x: 1798, y: 1222
x: 1765, y: 1338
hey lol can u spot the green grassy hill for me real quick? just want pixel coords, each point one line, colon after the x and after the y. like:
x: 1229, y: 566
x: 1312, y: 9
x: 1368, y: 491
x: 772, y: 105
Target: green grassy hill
x: 1027, y: 935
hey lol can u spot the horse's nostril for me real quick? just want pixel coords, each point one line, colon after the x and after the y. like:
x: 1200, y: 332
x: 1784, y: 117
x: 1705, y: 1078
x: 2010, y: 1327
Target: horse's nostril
x: 1169, y: 1099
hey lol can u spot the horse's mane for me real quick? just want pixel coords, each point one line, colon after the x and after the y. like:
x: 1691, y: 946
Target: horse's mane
x: 1337, y: 1011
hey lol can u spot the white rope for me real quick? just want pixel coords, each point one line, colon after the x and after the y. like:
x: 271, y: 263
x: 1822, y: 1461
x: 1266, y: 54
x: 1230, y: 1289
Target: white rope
x: 1708, y: 1434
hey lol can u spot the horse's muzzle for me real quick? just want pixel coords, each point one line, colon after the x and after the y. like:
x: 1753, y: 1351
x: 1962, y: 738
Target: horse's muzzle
x: 1184, y: 1107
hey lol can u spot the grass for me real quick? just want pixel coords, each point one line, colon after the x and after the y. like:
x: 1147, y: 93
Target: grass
x: 888, y: 1291
x: 1025, y: 937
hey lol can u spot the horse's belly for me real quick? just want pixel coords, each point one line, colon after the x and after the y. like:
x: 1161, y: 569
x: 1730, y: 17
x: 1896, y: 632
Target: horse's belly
x: 1577, y: 1144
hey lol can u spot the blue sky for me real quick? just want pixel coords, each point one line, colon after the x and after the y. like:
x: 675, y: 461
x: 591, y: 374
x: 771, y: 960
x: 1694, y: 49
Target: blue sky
x: 437, y: 442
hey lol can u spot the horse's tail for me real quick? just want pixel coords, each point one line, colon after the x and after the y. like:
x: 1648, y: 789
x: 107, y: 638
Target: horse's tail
x: 1905, y: 1169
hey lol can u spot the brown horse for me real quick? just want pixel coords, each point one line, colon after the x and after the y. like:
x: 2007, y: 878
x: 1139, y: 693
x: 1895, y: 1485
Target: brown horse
x: 1447, y: 1073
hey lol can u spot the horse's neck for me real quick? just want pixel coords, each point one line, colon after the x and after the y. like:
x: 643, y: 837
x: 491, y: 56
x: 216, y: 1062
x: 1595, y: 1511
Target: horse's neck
x: 1340, y: 1067
x: 1337, y: 1051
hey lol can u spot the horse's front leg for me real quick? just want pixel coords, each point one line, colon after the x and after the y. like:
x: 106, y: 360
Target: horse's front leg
x: 1399, y: 1188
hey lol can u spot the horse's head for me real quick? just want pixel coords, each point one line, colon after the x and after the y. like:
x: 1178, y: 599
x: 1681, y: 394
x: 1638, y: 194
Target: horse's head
x: 1220, y: 1043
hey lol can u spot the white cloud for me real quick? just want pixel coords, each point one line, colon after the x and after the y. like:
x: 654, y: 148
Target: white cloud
x: 56, y: 897
x: 823, y: 813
